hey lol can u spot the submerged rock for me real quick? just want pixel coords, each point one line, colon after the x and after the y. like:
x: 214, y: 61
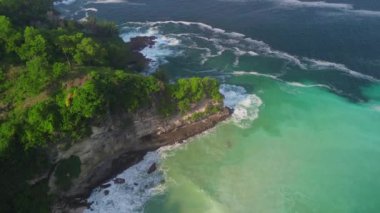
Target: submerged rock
x: 152, y: 168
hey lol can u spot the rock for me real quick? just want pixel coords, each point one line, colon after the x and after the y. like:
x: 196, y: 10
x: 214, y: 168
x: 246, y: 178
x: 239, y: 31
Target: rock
x: 108, y: 154
x: 141, y: 42
x: 106, y: 192
x: 119, y: 181
x: 152, y: 168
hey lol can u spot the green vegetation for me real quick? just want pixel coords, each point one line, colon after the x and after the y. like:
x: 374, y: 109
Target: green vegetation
x: 192, y: 90
x: 211, y: 109
x: 57, y: 77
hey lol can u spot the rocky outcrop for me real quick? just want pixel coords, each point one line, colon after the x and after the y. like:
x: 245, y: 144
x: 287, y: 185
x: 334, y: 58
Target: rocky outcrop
x: 141, y: 42
x: 122, y: 141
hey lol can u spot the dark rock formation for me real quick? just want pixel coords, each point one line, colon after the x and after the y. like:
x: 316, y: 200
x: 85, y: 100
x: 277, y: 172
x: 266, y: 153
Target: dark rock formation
x: 152, y: 168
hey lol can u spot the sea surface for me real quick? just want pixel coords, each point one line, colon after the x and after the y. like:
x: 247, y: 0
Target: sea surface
x: 304, y: 80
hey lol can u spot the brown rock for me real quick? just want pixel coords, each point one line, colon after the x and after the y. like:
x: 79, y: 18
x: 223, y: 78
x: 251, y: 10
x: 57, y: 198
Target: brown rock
x: 141, y: 42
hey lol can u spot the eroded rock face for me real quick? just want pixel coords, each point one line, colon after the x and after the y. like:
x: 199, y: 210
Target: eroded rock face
x: 123, y: 141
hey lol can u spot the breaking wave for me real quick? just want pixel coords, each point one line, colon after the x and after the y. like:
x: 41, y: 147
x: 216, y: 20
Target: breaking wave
x: 135, y: 187
x: 64, y: 2
x: 246, y: 106
x: 207, y: 43
x: 157, y: 54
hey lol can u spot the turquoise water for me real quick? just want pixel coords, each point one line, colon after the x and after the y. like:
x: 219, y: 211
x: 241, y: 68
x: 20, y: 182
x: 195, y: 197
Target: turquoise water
x: 309, y: 151
x: 304, y: 80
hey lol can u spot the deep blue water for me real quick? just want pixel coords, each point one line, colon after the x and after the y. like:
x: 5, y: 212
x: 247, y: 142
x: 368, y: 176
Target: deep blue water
x: 340, y: 31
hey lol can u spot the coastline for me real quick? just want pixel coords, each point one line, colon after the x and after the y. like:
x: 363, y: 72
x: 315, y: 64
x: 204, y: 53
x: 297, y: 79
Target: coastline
x: 132, y: 155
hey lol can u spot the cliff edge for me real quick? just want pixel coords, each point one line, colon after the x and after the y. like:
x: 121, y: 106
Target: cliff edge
x: 116, y: 145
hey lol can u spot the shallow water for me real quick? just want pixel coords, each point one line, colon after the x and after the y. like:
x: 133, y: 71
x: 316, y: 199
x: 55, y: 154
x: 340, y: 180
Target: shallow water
x: 303, y: 77
x: 308, y: 151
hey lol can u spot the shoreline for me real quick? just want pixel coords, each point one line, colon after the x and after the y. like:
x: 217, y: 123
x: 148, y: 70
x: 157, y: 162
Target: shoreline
x: 127, y: 159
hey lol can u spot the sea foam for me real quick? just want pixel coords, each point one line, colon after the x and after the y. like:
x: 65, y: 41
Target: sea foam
x: 219, y: 41
x: 64, y: 2
x: 164, y: 47
x: 130, y: 196
x: 246, y: 106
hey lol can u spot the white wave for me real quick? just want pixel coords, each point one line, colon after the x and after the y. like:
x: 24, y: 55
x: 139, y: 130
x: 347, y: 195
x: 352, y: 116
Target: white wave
x: 130, y: 196
x: 158, y: 53
x: 342, y: 7
x: 246, y: 106
x: 295, y: 84
x: 322, y: 4
x: 136, y: 32
x: 241, y: 45
x: 64, y: 2
x: 91, y: 9
x: 108, y: 1
x: 255, y: 47
x: 239, y: 52
x: 321, y: 65
x: 257, y: 74
x: 162, y: 48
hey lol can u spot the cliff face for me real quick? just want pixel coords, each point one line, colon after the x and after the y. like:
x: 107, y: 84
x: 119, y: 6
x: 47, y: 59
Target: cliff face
x: 122, y: 141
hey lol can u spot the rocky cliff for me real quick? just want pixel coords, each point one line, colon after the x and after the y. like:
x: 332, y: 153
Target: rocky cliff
x: 123, y: 140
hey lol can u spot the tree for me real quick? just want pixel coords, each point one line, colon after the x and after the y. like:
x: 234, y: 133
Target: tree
x: 59, y: 69
x: 25, y: 11
x: 88, y: 51
x: 7, y: 132
x: 40, y: 124
x: 87, y: 100
x: 8, y: 35
x: 81, y: 49
x: 68, y: 44
x: 37, y: 74
x: 191, y: 90
x: 34, y: 45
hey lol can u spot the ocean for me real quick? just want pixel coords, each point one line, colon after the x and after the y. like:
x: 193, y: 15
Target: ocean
x: 304, y: 80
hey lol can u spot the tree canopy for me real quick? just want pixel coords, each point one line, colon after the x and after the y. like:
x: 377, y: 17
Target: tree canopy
x: 57, y: 79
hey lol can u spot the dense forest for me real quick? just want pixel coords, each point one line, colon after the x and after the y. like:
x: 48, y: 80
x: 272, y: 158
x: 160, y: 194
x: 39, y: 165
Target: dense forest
x: 57, y: 77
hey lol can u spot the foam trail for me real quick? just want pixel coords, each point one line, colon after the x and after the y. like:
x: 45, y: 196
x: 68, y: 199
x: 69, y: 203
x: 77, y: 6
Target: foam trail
x: 237, y: 43
x: 262, y: 48
x: 344, y: 8
x: 108, y: 1
x: 320, y: 65
x: 295, y: 84
x: 64, y: 2
x: 322, y: 4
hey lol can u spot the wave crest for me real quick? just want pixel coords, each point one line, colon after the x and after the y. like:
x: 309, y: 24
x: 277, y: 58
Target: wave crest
x: 246, y: 106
